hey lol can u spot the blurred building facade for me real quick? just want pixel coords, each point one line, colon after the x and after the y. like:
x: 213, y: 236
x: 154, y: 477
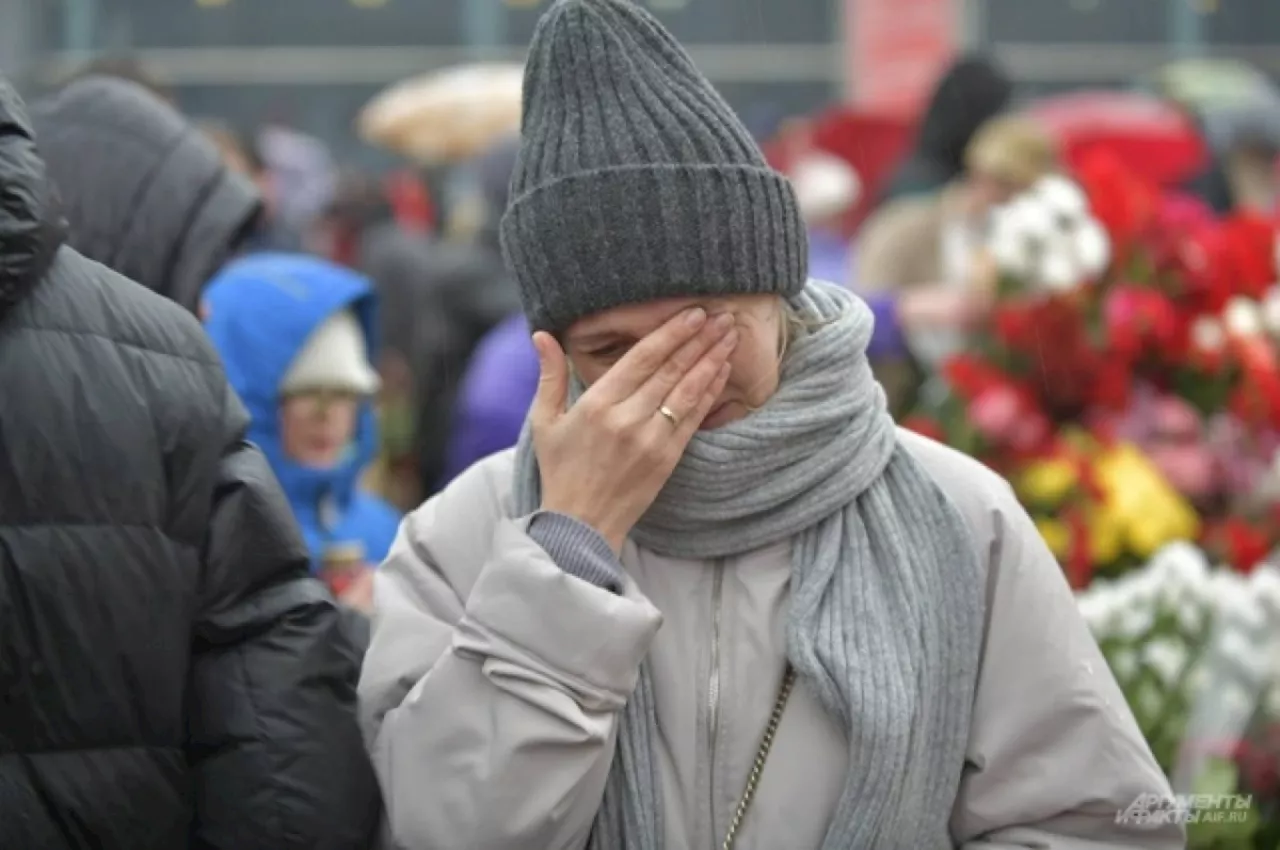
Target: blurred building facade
x: 315, y: 62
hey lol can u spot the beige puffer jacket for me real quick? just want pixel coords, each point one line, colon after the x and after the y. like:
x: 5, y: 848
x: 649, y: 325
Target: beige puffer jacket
x: 492, y: 688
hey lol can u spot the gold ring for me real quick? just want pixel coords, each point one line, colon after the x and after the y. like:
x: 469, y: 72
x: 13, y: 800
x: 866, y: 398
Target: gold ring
x: 669, y: 415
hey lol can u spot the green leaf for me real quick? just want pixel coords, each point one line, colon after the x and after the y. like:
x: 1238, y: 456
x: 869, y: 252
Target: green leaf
x: 1224, y: 829
x: 1219, y: 776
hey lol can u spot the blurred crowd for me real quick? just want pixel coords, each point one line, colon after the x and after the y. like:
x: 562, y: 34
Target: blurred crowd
x: 373, y: 330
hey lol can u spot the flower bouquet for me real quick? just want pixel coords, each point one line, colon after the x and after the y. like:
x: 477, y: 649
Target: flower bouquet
x: 1128, y: 382
x: 1197, y: 653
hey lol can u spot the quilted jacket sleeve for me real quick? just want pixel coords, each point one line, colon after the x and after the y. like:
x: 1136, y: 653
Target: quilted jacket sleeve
x: 276, y: 751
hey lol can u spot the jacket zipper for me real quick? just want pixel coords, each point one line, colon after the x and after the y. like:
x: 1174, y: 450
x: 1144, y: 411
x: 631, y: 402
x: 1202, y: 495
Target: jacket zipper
x: 713, y: 692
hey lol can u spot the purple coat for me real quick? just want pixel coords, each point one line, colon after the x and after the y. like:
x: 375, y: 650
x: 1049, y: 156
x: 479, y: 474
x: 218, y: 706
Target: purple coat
x: 496, y: 391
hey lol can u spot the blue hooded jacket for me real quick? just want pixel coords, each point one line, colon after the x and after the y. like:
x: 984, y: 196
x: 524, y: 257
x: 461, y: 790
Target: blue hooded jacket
x: 259, y: 312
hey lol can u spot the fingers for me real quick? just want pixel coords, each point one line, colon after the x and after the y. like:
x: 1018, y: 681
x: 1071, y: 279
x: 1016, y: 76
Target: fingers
x: 684, y: 398
x: 690, y: 424
x: 553, y: 380
x: 654, y: 391
x: 647, y: 356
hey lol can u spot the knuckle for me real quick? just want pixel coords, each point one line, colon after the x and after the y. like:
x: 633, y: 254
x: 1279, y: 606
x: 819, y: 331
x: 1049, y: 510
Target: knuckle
x: 618, y: 426
x: 651, y: 444
x: 591, y: 409
x: 686, y: 398
x: 672, y: 370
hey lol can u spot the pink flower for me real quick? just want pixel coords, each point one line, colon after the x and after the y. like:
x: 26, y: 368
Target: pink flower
x: 996, y: 413
x: 1181, y: 212
x: 1242, y: 455
x: 1175, y: 419
x: 1189, y: 468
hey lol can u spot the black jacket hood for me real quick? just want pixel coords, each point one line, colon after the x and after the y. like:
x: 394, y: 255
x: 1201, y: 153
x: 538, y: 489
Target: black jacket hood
x: 30, y: 230
x: 143, y: 191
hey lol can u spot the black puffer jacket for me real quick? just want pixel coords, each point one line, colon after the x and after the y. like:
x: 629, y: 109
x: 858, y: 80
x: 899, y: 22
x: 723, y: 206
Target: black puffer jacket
x: 170, y: 677
x: 143, y: 190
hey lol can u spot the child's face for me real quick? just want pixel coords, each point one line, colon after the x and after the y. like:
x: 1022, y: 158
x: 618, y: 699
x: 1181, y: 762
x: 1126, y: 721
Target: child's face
x: 317, y: 426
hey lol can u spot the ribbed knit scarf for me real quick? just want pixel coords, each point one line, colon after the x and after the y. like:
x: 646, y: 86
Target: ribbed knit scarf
x: 887, y: 590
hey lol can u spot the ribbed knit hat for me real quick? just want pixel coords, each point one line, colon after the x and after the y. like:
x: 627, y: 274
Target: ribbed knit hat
x: 635, y: 180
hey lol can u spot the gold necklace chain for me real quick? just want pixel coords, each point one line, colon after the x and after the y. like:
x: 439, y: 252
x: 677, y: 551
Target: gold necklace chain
x: 762, y: 754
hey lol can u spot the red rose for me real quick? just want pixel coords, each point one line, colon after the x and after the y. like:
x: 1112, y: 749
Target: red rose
x: 1140, y: 320
x: 1112, y: 387
x: 1257, y: 397
x: 1124, y: 203
x: 1233, y: 257
x: 1014, y: 325
x: 1249, y: 248
x: 1242, y: 545
x: 969, y: 375
x: 1206, y: 276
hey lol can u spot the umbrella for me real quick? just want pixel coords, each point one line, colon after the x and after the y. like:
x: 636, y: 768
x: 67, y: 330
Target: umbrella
x: 445, y: 116
x: 1153, y: 137
x: 1205, y: 85
x: 1237, y: 103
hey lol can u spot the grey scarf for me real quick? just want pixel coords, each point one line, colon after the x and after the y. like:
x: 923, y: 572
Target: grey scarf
x: 887, y: 590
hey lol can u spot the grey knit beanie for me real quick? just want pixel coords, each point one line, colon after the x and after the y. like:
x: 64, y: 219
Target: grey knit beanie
x: 635, y: 181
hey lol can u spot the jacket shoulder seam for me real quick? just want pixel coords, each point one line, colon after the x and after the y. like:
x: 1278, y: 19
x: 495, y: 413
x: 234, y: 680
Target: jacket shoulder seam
x: 123, y: 343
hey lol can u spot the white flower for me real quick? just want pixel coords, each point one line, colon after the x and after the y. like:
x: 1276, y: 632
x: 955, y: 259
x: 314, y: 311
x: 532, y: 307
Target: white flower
x: 1235, y: 705
x: 1134, y: 621
x: 1237, y: 607
x: 1010, y: 246
x: 1271, y: 310
x: 1194, y: 684
x: 1242, y: 317
x: 1149, y: 701
x: 1142, y: 587
x: 1207, y: 334
x: 1032, y: 218
x: 1123, y: 664
x: 1166, y: 657
x: 1100, y: 606
x: 1095, y: 610
x: 1248, y: 655
x: 1062, y: 197
x: 1191, y: 615
x: 1093, y: 248
x: 1182, y: 562
x: 1265, y: 586
x: 1058, y: 272
x: 1181, y: 574
x: 1222, y: 585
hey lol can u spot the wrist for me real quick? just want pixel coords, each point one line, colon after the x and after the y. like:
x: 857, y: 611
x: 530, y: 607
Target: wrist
x: 612, y: 533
